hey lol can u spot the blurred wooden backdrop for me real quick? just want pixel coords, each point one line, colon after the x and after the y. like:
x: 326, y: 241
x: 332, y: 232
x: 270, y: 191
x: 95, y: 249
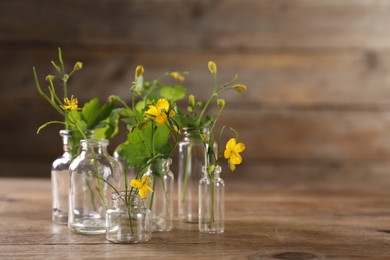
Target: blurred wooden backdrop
x: 318, y: 75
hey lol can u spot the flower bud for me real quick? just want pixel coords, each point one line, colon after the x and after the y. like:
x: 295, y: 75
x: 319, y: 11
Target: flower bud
x: 78, y: 66
x: 176, y: 75
x: 113, y: 99
x: 239, y: 88
x: 212, y: 67
x: 211, y: 169
x: 49, y: 77
x: 199, y: 104
x: 191, y: 100
x: 139, y: 71
x: 221, y: 103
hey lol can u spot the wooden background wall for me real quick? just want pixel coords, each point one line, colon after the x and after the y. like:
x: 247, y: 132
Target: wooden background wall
x: 318, y: 74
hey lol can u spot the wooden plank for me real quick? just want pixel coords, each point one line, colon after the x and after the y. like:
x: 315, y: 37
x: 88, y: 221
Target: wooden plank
x: 229, y: 24
x: 323, y: 137
x: 277, y: 223
x: 277, y: 79
x: 313, y: 136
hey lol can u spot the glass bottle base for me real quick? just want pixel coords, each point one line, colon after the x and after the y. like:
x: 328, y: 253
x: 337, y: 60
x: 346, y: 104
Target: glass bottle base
x: 127, y: 238
x: 59, y: 218
x: 89, y: 226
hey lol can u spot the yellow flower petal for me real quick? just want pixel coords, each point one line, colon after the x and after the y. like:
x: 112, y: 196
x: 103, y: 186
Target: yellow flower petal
x: 240, y: 147
x: 232, y: 167
x: 235, y: 158
x: 135, y: 183
x: 162, y: 105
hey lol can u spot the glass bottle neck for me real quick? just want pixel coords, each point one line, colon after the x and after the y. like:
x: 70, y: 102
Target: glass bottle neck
x: 195, y: 133
x: 160, y: 166
x: 92, y: 145
x: 216, y: 172
x: 123, y: 199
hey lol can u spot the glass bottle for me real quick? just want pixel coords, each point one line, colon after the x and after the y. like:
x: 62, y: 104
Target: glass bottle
x: 128, y: 172
x: 191, y: 159
x: 160, y: 201
x: 211, y: 201
x: 116, y: 166
x: 60, y: 175
x: 89, y: 191
x: 128, y: 221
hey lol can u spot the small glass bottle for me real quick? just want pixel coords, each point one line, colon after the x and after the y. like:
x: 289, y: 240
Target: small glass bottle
x: 160, y: 201
x: 128, y: 221
x: 60, y: 175
x: 191, y: 158
x: 211, y: 201
x: 89, y: 191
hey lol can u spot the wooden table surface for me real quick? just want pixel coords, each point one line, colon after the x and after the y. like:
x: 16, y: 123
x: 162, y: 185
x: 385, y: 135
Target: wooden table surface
x: 261, y: 223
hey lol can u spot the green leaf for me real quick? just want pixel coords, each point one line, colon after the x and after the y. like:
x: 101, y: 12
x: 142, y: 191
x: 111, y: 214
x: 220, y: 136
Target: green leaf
x: 93, y: 114
x: 161, y: 140
x: 136, y: 151
x: 108, y: 127
x: 173, y: 93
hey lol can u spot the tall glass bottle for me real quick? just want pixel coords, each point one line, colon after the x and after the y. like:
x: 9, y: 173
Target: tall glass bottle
x: 117, y: 168
x: 191, y: 159
x: 127, y: 170
x: 60, y: 175
x: 211, y: 201
x: 89, y: 191
x: 160, y: 201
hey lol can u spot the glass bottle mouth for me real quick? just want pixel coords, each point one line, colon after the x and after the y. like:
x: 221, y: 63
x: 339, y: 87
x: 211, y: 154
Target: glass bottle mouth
x: 120, y: 198
x: 217, y: 169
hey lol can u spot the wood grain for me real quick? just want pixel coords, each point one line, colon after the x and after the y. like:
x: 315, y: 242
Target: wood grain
x: 272, y: 224
x: 175, y: 24
x: 318, y: 72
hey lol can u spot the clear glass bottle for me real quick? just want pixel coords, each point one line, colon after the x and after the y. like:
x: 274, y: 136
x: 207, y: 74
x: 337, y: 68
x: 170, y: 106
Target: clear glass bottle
x: 128, y: 221
x: 191, y: 159
x: 60, y: 175
x: 125, y: 167
x: 211, y: 202
x: 160, y: 201
x: 89, y: 191
x: 116, y: 166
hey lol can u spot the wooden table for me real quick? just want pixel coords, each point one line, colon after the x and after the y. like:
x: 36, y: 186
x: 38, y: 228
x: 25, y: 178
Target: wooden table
x: 261, y: 223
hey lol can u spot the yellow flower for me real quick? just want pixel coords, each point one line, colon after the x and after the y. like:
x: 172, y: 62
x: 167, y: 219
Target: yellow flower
x: 159, y: 111
x: 176, y: 75
x: 70, y: 104
x: 232, y: 153
x: 142, y: 186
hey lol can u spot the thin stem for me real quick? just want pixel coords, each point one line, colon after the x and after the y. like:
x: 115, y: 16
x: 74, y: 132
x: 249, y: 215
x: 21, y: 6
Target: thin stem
x: 186, y: 173
x: 51, y: 102
x: 212, y: 217
x: 154, y: 189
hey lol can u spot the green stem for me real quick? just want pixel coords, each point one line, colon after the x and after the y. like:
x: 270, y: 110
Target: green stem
x: 212, y: 220
x: 186, y: 173
x: 51, y: 102
x: 211, y: 98
x: 154, y: 190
